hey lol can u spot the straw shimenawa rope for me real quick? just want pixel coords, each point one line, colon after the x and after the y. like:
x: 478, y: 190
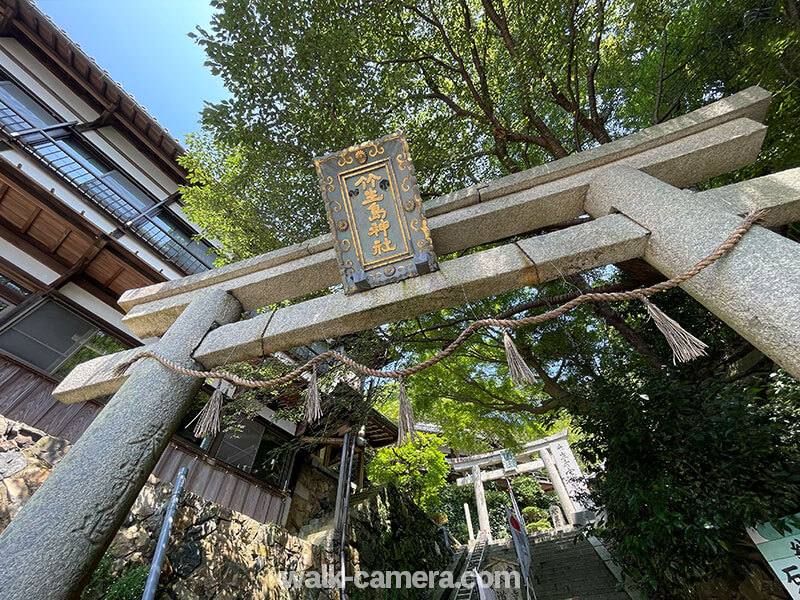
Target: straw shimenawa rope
x: 637, y: 294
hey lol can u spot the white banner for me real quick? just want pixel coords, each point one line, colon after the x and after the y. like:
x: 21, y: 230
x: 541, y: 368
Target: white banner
x: 484, y: 591
x: 520, y: 538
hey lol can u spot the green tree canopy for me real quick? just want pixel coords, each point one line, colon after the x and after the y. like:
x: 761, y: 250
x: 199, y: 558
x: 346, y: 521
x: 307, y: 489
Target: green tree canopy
x: 417, y: 468
x: 481, y: 87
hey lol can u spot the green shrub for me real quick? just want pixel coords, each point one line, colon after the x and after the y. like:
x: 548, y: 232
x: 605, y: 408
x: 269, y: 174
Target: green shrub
x: 130, y: 586
x: 684, y: 467
x: 418, y: 468
x: 529, y: 492
x: 536, y: 519
x: 101, y: 579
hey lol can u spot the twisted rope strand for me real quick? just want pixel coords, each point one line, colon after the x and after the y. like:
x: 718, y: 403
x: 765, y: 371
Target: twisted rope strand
x: 637, y: 294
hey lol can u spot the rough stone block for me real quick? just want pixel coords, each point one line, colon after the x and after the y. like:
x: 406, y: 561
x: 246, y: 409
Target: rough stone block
x: 284, y: 281
x: 11, y: 463
x: 735, y: 144
x: 755, y: 288
x: 95, y: 378
x: 206, y: 278
x: 462, y: 198
x: 504, y: 217
x: 600, y: 242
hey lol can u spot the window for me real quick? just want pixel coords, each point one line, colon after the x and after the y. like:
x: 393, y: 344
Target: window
x: 272, y: 460
x: 19, y: 111
x: 13, y: 286
x: 99, y: 344
x: 172, y: 226
x: 186, y: 428
x: 253, y: 447
x: 91, y: 174
x: 54, y: 339
x: 61, y: 148
x: 239, y: 448
x: 11, y: 293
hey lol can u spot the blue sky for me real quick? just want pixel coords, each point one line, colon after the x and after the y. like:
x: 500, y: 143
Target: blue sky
x: 143, y: 45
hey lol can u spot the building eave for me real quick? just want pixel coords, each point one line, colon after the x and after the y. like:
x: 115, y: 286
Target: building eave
x: 22, y: 20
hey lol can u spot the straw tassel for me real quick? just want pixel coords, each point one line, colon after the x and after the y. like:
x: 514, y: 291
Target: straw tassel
x: 521, y: 373
x: 313, y: 408
x: 208, y: 418
x: 684, y: 345
x: 405, y: 416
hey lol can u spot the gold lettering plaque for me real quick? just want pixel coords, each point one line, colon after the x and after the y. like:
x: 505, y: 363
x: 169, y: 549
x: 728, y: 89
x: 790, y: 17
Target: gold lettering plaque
x: 379, y: 231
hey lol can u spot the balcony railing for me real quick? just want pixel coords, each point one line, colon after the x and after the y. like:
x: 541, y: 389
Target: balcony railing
x: 43, y: 143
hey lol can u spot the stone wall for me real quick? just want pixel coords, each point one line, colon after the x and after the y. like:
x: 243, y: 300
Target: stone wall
x: 218, y: 554
x: 387, y: 532
x: 214, y: 552
x: 314, y: 494
x: 27, y: 456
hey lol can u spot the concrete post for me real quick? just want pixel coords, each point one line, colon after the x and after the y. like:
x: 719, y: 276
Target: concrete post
x: 480, y: 501
x: 469, y: 522
x: 755, y: 288
x: 563, y: 497
x: 51, y: 547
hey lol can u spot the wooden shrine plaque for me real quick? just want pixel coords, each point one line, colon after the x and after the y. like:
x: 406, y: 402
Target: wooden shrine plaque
x: 379, y: 231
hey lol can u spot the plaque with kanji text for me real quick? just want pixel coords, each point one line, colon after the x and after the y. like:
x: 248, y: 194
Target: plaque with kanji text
x: 379, y: 231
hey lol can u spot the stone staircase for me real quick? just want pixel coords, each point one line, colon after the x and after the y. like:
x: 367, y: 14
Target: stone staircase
x: 319, y: 531
x: 564, y: 565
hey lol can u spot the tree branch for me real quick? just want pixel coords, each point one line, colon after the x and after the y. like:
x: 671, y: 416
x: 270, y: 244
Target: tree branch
x: 628, y: 333
x: 592, y: 71
x: 660, y: 86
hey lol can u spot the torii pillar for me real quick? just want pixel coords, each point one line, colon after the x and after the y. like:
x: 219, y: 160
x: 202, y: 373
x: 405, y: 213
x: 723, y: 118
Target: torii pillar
x: 573, y: 480
x: 755, y: 288
x: 480, y: 502
x: 108, y: 466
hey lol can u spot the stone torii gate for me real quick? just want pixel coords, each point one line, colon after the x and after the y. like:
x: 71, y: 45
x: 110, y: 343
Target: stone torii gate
x: 631, y: 189
x: 554, y: 456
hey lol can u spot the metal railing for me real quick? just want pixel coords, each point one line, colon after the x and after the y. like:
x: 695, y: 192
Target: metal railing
x: 99, y: 188
x: 151, y: 585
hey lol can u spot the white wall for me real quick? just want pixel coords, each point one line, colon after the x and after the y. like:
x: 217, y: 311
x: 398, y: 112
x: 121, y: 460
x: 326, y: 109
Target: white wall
x: 42, y: 82
x: 95, y: 306
x: 26, y: 262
